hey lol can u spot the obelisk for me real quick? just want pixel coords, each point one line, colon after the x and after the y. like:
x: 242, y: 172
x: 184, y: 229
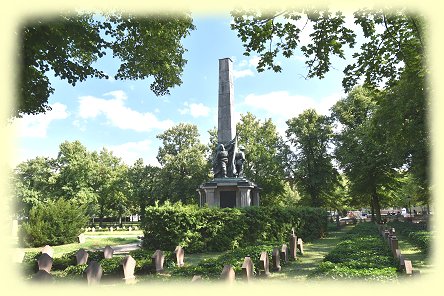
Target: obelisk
x: 226, y: 129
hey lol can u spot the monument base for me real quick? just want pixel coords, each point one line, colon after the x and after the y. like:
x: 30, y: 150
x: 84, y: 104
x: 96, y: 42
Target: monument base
x: 229, y: 193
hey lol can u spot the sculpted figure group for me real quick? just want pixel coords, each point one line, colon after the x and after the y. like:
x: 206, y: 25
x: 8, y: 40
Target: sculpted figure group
x: 229, y: 161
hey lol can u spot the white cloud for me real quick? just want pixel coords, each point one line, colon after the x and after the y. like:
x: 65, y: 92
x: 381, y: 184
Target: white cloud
x: 118, y: 114
x: 254, y: 61
x: 36, y: 126
x: 195, y: 110
x: 242, y: 73
x: 131, y: 151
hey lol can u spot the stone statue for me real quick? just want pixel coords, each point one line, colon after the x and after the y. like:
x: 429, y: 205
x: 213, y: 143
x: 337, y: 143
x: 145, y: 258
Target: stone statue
x: 239, y: 161
x: 220, y: 162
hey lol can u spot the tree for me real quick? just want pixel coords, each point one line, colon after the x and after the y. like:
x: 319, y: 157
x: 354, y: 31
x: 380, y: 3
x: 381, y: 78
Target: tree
x: 69, y: 45
x: 143, y: 180
x: 33, y: 182
x: 361, y: 150
x: 391, y: 53
x: 313, y: 173
x: 394, y: 40
x: 184, y: 166
x: 263, y: 162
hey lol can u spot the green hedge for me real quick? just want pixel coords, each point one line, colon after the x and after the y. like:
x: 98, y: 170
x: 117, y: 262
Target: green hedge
x: 361, y: 255
x: 214, y: 229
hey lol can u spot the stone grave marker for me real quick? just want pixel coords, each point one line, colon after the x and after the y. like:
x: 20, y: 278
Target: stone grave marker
x: 386, y: 234
x: 408, y: 267
x: 401, y: 261
x: 129, y: 264
x: 264, y: 266
x: 180, y: 254
x: 394, y: 244
x: 196, y: 278
x: 130, y: 228
x: 398, y: 253
x: 293, y: 246
x: 43, y: 276
x: 81, y: 238
x: 158, y: 258
x: 228, y: 274
x: 284, y: 253
x: 247, y: 268
x: 45, y: 262
x: 111, y: 229
x: 276, y: 260
x: 48, y: 250
x: 108, y: 252
x: 93, y: 229
x: 93, y: 273
x: 301, y: 246
x: 82, y: 256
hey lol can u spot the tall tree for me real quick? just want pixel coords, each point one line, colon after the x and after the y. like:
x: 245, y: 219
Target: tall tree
x: 310, y: 135
x: 148, y: 46
x: 263, y: 162
x: 361, y: 150
x: 143, y: 180
x: 184, y: 166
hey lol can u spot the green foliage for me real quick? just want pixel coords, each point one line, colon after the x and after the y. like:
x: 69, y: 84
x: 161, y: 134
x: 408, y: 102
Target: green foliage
x: 112, y: 266
x: 311, y: 168
x: 148, y: 46
x: 361, y: 255
x: 53, y: 223
x: 74, y: 272
x: 416, y: 233
x: 213, y: 229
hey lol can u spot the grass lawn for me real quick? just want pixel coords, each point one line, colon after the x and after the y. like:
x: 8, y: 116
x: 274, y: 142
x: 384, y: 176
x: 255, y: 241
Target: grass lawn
x: 420, y: 260
x: 90, y: 243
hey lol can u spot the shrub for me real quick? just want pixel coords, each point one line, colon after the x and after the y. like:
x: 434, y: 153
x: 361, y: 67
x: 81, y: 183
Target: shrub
x: 214, y: 229
x: 53, y: 223
x: 416, y: 233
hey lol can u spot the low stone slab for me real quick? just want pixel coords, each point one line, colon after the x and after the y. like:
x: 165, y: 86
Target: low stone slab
x: 293, y: 246
x: 276, y: 260
x: 408, y: 267
x: 228, y: 274
x: 180, y: 254
x: 158, y: 259
x: 129, y: 264
x: 284, y: 253
x: 81, y: 238
x: 301, y: 246
x: 45, y: 262
x: 108, y: 252
x: 48, y: 250
x: 82, y: 256
x: 94, y: 273
x: 43, y: 276
x: 247, y: 268
x: 264, y: 267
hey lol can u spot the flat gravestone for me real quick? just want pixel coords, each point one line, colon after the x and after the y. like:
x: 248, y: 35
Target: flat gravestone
x: 129, y: 264
x: 108, y: 252
x: 179, y: 255
x: 408, y: 267
x: 48, y: 250
x: 82, y: 256
x: 45, y: 262
x: 301, y: 246
x: 81, y: 238
x: 158, y: 258
x: 247, y: 268
x: 93, y: 273
x: 293, y: 246
x: 264, y: 266
x: 228, y: 274
x: 43, y: 276
x: 196, y: 278
x: 284, y: 253
x: 276, y: 260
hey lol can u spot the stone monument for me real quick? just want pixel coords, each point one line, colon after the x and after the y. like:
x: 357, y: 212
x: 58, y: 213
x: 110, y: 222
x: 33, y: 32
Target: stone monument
x: 229, y: 188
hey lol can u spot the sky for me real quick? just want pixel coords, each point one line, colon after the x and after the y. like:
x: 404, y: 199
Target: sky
x: 124, y: 116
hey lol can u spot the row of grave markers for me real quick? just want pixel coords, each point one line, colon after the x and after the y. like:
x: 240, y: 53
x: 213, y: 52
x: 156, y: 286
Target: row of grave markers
x: 93, y: 229
x: 94, y: 270
x: 389, y: 235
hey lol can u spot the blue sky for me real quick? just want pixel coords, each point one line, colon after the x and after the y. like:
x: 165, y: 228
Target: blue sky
x: 125, y: 116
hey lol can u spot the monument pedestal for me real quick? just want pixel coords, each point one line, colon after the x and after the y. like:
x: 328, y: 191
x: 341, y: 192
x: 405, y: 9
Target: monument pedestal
x: 229, y: 193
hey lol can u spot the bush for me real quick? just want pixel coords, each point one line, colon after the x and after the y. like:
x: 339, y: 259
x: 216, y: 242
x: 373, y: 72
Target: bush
x: 214, y: 229
x: 415, y: 233
x: 53, y: 223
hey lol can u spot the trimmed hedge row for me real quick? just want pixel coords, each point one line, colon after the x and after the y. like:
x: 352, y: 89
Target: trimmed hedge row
x: 214, y: 229
x: 416, y: 233
x: 361, y: 255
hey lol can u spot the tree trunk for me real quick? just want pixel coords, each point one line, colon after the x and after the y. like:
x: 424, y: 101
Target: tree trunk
x: 377, y: 206
x: 373, y: 210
